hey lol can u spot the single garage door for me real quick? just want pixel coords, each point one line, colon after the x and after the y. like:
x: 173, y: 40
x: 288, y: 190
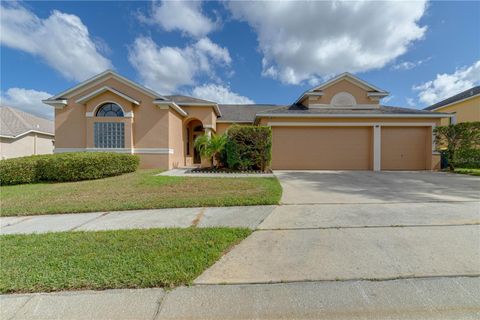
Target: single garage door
x: 322, y: 148
x: 404, y: 148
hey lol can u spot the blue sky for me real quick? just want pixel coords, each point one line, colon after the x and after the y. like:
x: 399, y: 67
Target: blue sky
x: 262, y: 52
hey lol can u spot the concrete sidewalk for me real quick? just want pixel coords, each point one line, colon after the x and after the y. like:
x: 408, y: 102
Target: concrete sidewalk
x: 246, y: 217
x: 434, y: 298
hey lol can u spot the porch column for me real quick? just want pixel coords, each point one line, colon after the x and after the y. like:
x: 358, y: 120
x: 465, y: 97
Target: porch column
x: 208, y: 131
x: 377, y: 148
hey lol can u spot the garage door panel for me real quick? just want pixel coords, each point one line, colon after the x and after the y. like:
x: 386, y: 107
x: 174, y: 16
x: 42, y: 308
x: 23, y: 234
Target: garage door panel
x: 322, y: 148
x: 404, y: 148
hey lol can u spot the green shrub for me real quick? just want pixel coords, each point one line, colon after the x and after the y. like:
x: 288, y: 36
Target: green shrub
x: 249, y: 147
x: 467, y: 158
x: 19, y: 170
x: 66, y: 167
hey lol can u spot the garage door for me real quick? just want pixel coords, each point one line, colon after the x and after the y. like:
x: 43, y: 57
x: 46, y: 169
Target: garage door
x: 322, y: 148
x: 404, y: 148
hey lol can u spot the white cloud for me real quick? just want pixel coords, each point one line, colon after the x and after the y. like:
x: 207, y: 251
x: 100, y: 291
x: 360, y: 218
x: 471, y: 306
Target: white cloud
x: 407, y: 65
x: 167, y: 68
x: 304, y: 40
x: 410, y: 102
x: 185, y: 16
x: 387, y: 99
x: 220, y: 94
x: 446, y: 85
x: 62, y: 40
x: 28, y: 100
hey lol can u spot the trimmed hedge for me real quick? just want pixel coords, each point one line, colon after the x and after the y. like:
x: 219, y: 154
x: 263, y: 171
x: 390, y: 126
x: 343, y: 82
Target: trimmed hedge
x: 467, y: 158
x: 63, y: 167
x: 249, y: 147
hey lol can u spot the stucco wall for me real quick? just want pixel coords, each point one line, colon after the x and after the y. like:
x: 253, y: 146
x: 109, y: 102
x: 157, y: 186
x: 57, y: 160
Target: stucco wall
x: 177, y: 136
x: 205, y: 114
x: 27, y: 145
x: 359, y: 93
x: 466, y: 111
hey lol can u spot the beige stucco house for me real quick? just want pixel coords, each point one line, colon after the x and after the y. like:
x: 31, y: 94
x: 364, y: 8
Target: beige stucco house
x: 465, y: 106
x: 338, y: 125
x: 23, y: 134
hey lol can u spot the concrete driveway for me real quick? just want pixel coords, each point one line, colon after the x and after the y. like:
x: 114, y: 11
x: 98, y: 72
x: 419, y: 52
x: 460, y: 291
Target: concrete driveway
x: 361, y: 226
x: 305, y: 187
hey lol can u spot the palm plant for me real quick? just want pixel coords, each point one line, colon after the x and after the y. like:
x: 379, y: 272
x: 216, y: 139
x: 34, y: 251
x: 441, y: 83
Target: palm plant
x: 211, y: 147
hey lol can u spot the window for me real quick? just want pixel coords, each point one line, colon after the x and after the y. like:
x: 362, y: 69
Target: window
x: 110, y: 110
x: 109, y: 134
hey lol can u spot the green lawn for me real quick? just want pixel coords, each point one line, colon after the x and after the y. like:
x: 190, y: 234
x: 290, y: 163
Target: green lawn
x: 110, y: 259
x: 471, y: 171
x: 138, y: 190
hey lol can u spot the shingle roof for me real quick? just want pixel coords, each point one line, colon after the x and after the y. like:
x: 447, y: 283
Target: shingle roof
x: 243, y: 112
x: 14, y: 122
x: 462, y: 95
x: 300, y: 109
x: 186, y: 99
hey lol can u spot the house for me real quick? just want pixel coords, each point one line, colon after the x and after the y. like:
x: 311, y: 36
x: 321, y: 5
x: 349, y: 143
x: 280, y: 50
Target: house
x: 465, y: 106
x: 338, y: 125
x: 23, y: 134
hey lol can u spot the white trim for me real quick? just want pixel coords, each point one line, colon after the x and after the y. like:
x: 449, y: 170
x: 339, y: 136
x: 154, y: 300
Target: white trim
x: 89, y: 114
x: 27, y: 132
x: 108, y: 101
x: 377, y: 94
x: 349, y: 124
x: 455, y: 102
x: 153, y: 150
x: 172, y: 104
x: 112, y: 74
x: 208, y: 126
x: 377, y: 147
x: 57, y: 104
x: 354, y: 107
x: 118, y: 150
x: 102, y: 90
x: 286, y: 115
x: 313, y: 94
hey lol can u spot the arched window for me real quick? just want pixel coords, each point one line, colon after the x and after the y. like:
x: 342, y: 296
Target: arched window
x: 343, y: 99
x: 109, y: 110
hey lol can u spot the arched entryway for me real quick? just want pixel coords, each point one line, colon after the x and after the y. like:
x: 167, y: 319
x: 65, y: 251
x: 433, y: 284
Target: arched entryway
x: 193, y: 129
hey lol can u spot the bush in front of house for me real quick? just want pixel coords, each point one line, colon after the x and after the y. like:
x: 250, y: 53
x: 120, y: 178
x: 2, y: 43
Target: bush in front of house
x: 19, y: 170
x: 249, y: 147
x: 63, y: 167
x: 78, y: 166
x: 467, y: 158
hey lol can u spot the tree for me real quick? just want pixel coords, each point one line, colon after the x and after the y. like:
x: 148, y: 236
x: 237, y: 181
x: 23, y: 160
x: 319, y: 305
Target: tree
x: 456, y: 137
x: 211, y: 147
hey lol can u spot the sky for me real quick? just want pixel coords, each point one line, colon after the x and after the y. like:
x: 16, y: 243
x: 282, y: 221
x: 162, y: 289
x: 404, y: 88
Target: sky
x: 239, y: 52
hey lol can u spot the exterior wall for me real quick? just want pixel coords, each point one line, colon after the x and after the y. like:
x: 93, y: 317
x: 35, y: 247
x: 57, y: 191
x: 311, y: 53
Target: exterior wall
x: 359, y: 93
x: 177, y: 136
x: 465, y: 111
x: 147, y: 129
x: 27, y: 145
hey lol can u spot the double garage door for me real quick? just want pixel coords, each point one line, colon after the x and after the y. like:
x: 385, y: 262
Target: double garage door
x: 348, y: 148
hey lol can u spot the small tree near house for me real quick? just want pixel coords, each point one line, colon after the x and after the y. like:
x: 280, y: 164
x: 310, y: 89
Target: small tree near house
x: 456, y: 139
x: 211, y: 147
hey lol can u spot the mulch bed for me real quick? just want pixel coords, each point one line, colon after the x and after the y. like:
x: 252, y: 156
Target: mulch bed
x: 226, y: 170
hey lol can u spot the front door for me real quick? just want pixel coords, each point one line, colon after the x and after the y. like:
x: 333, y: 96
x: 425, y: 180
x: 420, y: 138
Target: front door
x: 196, y: 155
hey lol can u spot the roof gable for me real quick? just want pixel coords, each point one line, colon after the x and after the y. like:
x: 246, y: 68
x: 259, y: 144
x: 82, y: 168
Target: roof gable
x: 101, y: 77
x: 351, y: 78
x: 103, y: 89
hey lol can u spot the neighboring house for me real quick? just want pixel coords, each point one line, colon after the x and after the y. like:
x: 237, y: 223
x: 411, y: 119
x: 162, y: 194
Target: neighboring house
x: 465, y: 106
x: 23, y: 134
x: 339, y: 125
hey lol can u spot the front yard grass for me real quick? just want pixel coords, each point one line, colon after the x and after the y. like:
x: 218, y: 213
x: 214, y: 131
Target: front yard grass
x: 471, y: 171
x: 110, y: 259
x: 137, y: 190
